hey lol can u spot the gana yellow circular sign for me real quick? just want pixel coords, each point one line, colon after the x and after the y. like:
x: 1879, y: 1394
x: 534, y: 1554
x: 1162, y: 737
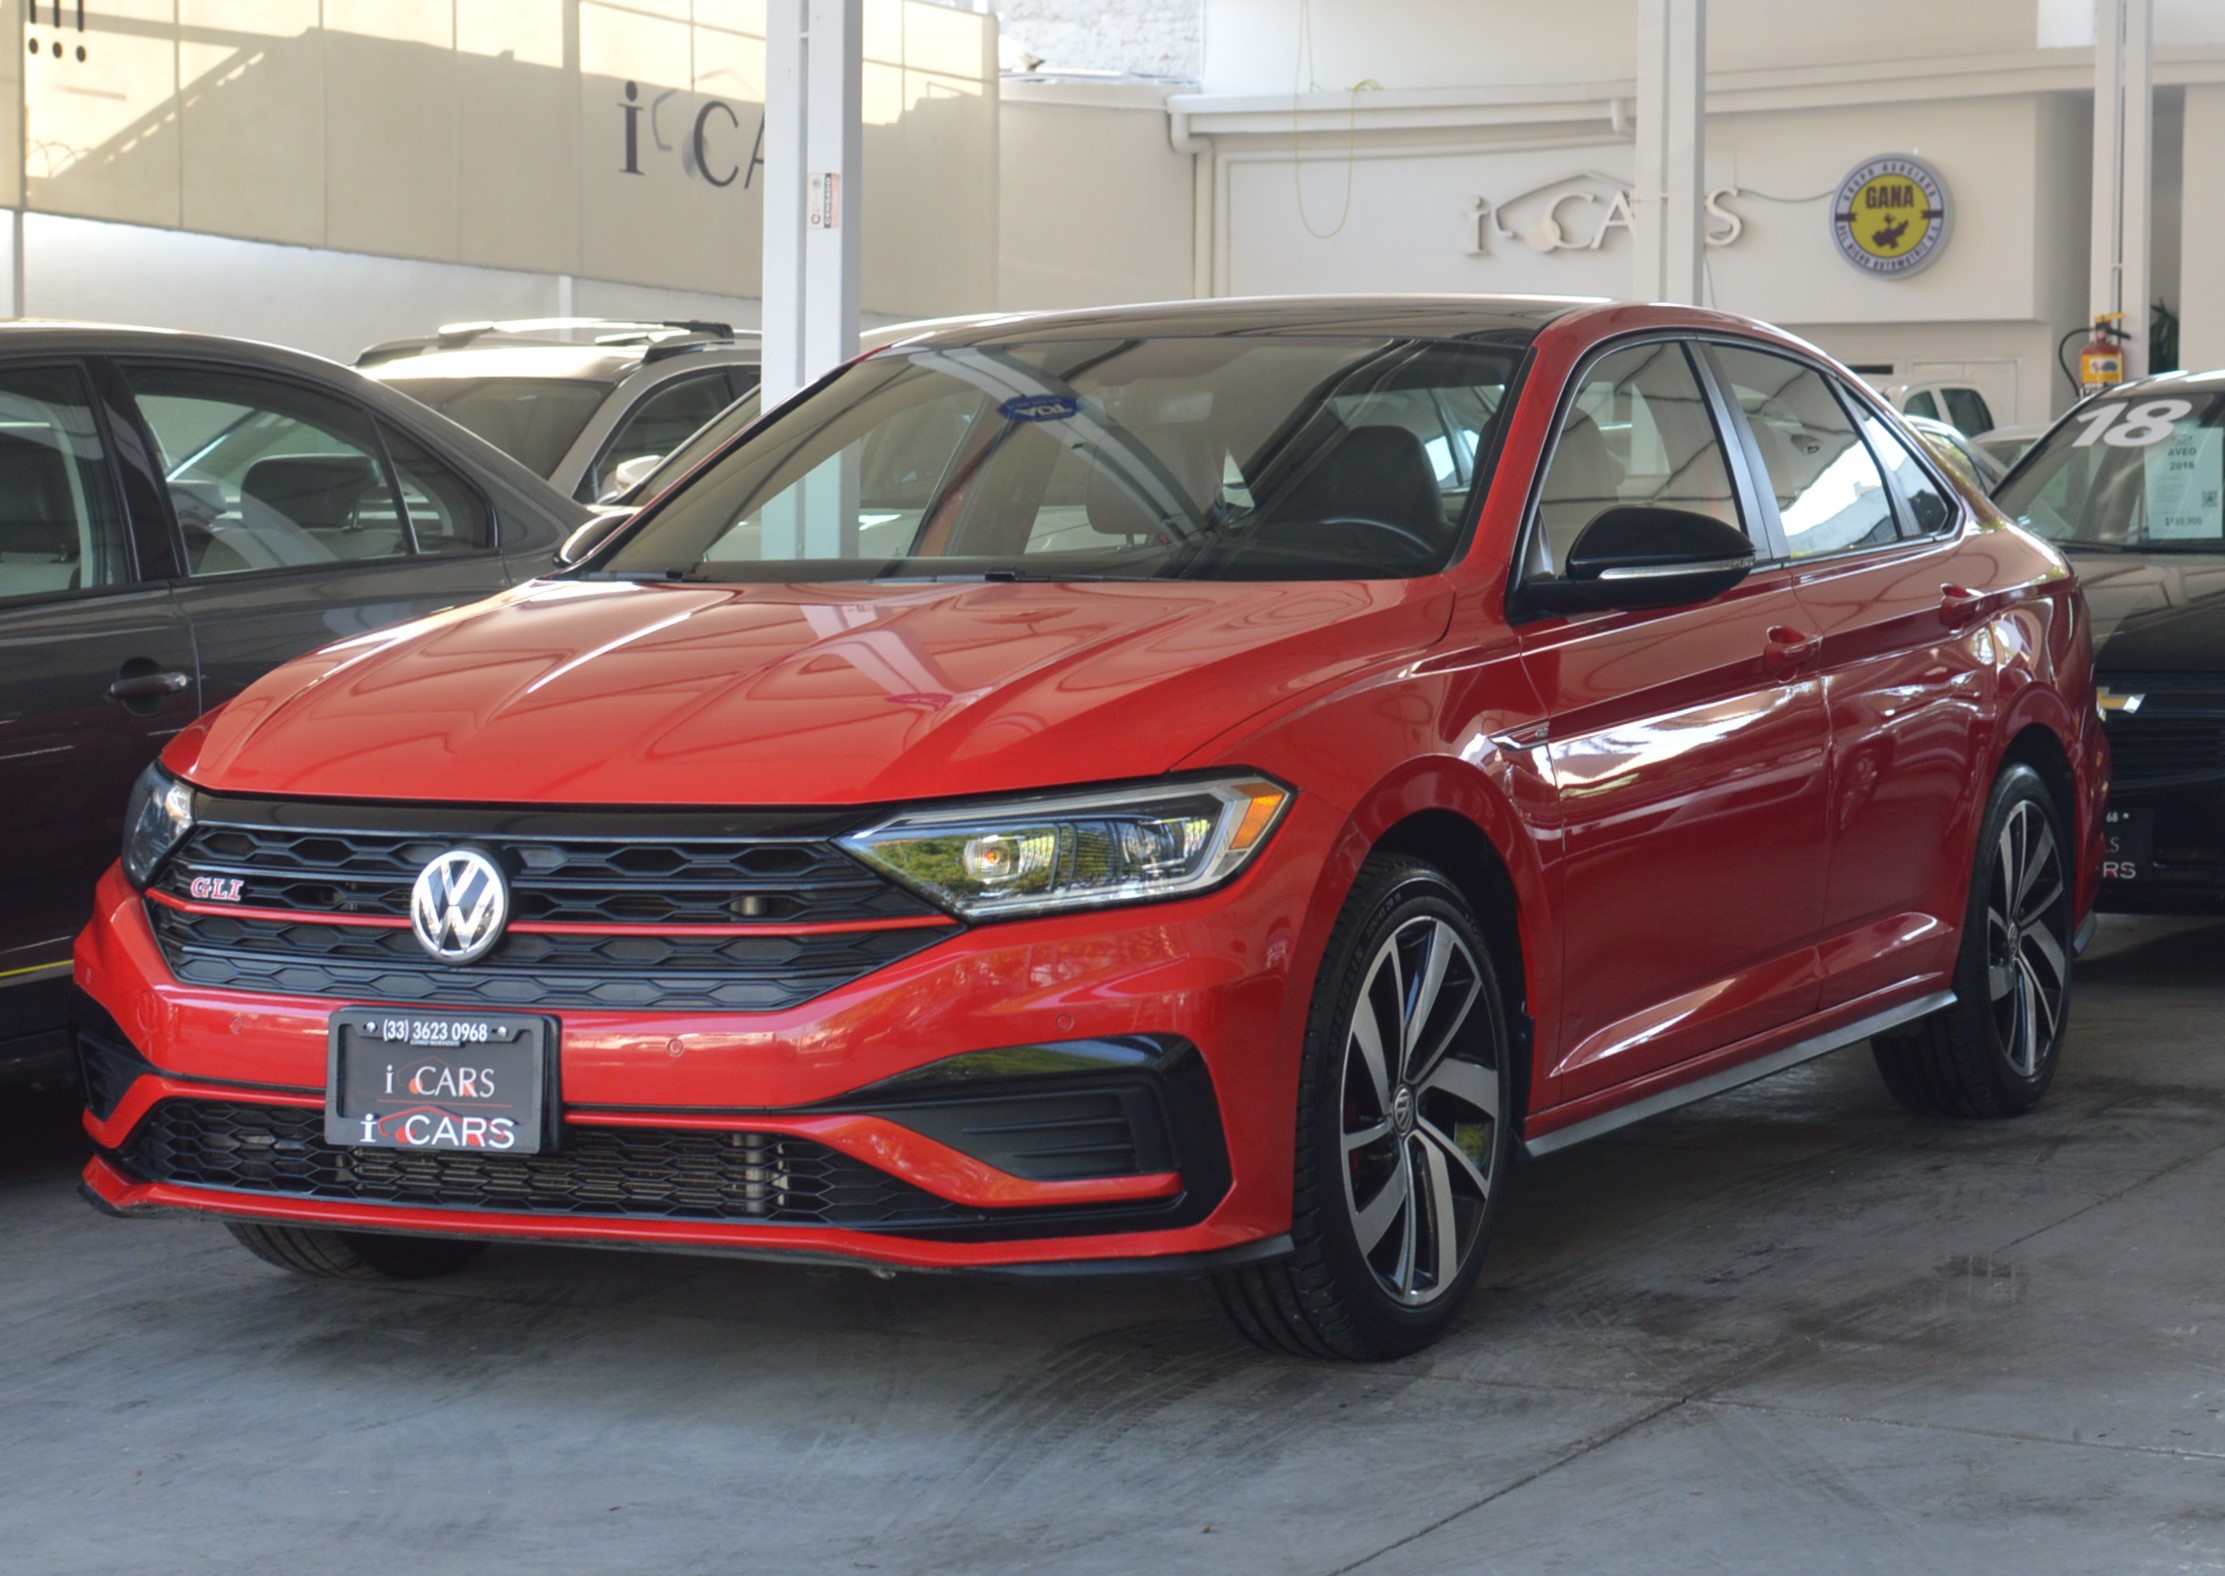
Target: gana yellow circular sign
x: 1890, y: 215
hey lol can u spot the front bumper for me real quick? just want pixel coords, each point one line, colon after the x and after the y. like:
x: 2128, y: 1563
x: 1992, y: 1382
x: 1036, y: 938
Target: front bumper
x: 2184, y: 868
x: 1208, y: 982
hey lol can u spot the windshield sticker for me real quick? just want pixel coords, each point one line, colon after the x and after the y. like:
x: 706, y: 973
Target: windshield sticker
x: 1039, y: 407
x: 2186, y: 486
x: 2144, y: 424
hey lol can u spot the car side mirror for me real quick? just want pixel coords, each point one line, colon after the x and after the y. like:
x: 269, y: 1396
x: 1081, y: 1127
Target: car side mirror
x: 629, y: 475
x: 1642, y: 556
x: 591, y: 536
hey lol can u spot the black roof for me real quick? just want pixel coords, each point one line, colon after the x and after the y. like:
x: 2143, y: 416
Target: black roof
x: 1497, y: 318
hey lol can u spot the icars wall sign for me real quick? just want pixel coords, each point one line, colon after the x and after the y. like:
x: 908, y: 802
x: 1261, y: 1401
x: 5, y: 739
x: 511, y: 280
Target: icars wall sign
x: 1890, y: 215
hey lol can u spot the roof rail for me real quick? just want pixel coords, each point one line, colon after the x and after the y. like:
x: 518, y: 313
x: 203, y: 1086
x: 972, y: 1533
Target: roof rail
x: 653, y: 334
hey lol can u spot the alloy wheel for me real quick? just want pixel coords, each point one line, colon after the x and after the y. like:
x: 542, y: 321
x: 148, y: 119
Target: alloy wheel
x: 1419, y: 1112
x: 2027, y: 938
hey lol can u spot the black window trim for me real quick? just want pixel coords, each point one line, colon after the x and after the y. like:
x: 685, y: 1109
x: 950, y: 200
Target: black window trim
x: 97, y: 396
x: 371, y: 415
x: 1518, y: 609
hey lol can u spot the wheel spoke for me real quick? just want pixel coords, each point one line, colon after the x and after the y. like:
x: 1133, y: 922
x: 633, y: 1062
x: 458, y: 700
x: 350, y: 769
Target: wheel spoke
x: 1360, y: 1138
x: 1458, y: 1158
x: 1478, y: 1086
x: 1444, y: 1231
x: 2000, y: 980
x: 2008, y: 852
x: 2039, y: 854
x: 1409, y: 1267
x: 2041, y: 997
x: 1370, y: 1223
x: 2039, y: 939
x: 2027, y: 1027
x: 1436, y: 958
x: 1367, y: 1036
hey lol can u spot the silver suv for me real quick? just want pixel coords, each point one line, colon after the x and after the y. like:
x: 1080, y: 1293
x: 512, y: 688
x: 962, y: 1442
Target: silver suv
x: 574, y: 398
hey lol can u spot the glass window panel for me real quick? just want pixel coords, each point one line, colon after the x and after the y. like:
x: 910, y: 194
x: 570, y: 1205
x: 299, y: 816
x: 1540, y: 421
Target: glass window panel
x: 1640, y: 433
x: 1830, y: 494
x: 60, y: 527
x: 662, y: 422
x: 446, y: 514
x: 265, y: 475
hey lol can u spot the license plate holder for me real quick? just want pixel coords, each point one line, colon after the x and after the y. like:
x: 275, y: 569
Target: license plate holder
x: 2131, y: 844
x: 420, y: 1078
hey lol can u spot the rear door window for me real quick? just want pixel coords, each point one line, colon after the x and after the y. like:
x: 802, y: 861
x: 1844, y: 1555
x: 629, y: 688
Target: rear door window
x: 61, y: 528
x: 267, y: 475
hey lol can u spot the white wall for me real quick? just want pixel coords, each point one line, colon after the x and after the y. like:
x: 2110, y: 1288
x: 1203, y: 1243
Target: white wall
x: 1094, y: 203
x: 2202, y: 232
x: 1251, y: 46
x: 332, y: 303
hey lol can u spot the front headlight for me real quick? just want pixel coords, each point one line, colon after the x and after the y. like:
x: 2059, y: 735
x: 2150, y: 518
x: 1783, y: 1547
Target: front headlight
x: 1051, y: 853
x: 156, y: 819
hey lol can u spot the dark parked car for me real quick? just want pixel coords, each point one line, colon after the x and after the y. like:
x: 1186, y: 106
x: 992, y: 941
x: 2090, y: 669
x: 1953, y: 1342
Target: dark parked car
x: 2133, y: 487
x: 179, y: 515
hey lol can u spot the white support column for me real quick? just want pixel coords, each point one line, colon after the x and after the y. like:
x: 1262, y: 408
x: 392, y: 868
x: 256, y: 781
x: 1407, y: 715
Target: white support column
x: 2124, y: 154
x: 814, y: 59
x: 1671, y: 231
x: 785, y: 162
x: 834, y: 68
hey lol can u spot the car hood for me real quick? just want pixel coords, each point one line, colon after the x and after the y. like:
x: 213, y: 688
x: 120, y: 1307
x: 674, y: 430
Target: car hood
x: 596, y: 692
x: 2156, y: 613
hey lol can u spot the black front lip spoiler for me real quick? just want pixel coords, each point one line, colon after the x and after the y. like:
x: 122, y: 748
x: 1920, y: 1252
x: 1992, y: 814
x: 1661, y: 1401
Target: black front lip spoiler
x: 1172, y: 1265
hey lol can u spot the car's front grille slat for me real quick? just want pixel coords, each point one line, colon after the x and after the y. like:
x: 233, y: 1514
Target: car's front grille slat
x: 2166, y: 748
x: 618, y: 913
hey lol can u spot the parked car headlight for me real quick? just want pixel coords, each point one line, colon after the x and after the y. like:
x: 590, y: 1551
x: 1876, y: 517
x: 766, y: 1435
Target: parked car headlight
x: 156, y: 819
x: 1050, y: 853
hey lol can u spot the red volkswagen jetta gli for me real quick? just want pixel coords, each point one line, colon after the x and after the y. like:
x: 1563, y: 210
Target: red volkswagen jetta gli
x: 1193, y: 784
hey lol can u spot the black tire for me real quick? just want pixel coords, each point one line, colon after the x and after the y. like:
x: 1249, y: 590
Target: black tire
x: 1442, y: 1126
x: 1994, y: 1052
x: 354, y: 1255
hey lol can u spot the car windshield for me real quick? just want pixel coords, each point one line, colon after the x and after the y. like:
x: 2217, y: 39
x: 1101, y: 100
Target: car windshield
x: 533, y: 420
x: 2145, y: 472
x: 1227, y: 458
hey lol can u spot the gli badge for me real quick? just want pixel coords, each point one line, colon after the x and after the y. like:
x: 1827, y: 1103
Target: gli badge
x: 215, y: 889
x: 459, y: 905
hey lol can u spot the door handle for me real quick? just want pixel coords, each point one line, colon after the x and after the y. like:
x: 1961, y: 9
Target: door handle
x: 1786, y: 647
x: 1958, y: 605
x: 147, y: 686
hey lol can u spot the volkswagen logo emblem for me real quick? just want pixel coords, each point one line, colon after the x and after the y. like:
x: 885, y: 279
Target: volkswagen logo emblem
x: 459, y: 906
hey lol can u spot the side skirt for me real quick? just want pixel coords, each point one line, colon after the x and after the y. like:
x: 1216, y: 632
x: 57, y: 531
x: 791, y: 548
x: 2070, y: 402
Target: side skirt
x: 1733, y: 1077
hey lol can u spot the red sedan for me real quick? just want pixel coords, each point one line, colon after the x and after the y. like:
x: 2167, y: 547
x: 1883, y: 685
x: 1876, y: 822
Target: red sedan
x: 1190, y: 786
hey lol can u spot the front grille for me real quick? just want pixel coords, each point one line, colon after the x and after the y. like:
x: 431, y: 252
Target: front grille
x: 640, y: 1173
x: 679, y: 973
x: 625, y: 904
x: 2165, y: 748
x: 616, y: 881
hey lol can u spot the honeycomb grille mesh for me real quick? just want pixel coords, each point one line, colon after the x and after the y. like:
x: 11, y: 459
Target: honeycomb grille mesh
x: 633, y: 1172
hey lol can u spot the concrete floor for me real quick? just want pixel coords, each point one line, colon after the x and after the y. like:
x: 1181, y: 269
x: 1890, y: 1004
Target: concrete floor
x: 1789, y: 1329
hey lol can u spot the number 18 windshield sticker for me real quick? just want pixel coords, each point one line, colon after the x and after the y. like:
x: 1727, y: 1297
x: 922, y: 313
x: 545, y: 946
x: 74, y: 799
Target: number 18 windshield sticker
x: 2143, y: 424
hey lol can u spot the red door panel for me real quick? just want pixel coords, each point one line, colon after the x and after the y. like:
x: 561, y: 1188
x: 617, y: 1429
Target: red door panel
x: 1908, y: 696
x: 1689, y: 751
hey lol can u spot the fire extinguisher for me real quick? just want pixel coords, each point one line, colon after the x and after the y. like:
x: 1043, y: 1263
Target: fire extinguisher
x: 2101, y: 360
